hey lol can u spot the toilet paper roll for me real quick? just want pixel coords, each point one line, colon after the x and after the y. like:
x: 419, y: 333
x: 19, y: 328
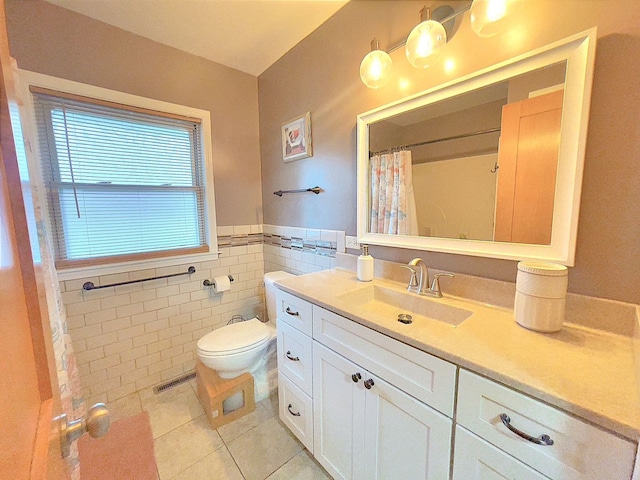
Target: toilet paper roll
x: 221, y: 284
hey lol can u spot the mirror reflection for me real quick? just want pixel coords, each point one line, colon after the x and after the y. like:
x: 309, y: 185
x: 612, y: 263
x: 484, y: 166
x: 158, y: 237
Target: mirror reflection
x: 481, y: 165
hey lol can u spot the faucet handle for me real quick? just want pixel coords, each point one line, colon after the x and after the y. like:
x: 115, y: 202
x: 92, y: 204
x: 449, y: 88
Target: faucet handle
x: 413, y: 281
x: 435, y: 285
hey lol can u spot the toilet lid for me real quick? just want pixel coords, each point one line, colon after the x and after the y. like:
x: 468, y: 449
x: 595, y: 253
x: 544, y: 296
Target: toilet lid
x: 236, y: 337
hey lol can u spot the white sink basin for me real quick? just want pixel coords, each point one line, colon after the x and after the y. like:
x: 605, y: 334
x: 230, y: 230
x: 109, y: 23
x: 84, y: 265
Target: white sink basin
x: 378, y: 300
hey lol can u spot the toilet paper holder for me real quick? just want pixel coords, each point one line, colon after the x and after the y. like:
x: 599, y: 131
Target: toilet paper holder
x: 209, y: 283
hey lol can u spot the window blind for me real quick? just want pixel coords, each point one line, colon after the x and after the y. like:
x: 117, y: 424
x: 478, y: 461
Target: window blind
x: 120, y: 183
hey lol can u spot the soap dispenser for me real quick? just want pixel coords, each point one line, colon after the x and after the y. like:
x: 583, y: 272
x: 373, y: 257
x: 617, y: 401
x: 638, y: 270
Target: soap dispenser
x: 365, y: 265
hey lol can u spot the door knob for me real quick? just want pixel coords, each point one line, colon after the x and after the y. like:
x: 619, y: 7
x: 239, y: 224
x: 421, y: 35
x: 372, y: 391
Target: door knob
x: 369, y: 383
x: 356, y: 376
x: 96, y: 423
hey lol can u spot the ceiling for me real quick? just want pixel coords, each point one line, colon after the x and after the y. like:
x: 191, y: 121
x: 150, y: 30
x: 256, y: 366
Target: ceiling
x: 248, y: 35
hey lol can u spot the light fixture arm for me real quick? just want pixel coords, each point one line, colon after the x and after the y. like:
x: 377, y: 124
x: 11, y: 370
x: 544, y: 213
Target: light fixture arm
x: 444, y: 21
x: 425, y: 14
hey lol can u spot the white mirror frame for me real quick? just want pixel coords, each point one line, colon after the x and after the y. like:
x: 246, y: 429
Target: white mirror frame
x: 579, y: 53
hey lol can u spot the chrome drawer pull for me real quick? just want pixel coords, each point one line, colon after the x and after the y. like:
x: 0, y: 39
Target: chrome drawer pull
x: 293, y: 359
x: 292, y: 412
x: 295, y: 314
x: 541, y: 440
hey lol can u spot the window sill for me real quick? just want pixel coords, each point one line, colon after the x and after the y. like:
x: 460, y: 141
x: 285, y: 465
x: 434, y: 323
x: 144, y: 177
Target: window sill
x: 124, y: 267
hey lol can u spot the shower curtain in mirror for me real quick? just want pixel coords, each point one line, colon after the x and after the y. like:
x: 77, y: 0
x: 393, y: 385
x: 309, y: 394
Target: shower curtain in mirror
x: 393, y: 204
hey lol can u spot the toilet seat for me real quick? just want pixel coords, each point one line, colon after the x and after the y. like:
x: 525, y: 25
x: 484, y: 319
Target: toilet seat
x: 233, y: 339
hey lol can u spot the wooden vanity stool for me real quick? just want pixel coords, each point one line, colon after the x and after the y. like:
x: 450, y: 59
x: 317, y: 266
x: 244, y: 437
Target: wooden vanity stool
x: 213, y: 391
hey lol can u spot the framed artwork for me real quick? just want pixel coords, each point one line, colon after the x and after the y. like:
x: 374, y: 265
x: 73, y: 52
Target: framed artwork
x: 296, y: 138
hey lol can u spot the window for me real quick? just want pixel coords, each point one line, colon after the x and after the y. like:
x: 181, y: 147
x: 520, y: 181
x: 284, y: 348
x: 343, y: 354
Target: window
x: 122, y: 183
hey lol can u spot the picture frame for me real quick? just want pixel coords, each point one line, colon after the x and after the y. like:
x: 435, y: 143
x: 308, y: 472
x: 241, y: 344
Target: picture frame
x: 296, y: 138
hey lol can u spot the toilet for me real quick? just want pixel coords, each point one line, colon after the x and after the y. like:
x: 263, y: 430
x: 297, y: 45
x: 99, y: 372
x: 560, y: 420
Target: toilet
x: 247, y: 346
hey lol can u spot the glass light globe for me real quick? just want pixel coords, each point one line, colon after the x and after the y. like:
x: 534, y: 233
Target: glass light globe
x: 375, y: 69
x: 489, y: 17
x: 424, y: 42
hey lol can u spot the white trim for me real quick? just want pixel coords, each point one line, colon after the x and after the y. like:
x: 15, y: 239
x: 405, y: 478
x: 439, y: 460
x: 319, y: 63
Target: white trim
x: 28, y: 78
x: 579, y: 53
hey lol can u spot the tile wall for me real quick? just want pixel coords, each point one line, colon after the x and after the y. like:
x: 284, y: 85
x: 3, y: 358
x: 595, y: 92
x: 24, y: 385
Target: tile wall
x: 131, y: 337
x: 301, y: 250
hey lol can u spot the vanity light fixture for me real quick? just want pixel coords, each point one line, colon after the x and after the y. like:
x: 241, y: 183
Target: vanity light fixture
x: 375, y: 69
x: 425, y: 40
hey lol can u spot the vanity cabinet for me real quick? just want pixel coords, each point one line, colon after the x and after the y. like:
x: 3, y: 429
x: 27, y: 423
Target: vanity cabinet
x: 371, y: 407
x: 560, y: 446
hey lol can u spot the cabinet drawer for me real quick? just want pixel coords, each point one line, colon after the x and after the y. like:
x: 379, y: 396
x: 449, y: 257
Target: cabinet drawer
x: 294, y: 356
x: 475, y: 459
x: 296, y: 411
x: 294, y: 311
x: 423, y: 376
x: 579, y: 451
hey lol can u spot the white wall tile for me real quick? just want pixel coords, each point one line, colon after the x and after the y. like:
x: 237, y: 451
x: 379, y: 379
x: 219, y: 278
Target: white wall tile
x: 329, y: 236
x: 297, y: 232
x: 313, y: 234
x: 241, y: 229
x: 224, y: 231
x: 341, y: 242
x: 269, y: 229
x: 123, y: 332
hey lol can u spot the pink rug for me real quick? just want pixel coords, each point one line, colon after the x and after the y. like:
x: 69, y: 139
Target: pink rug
x: 124, y: 453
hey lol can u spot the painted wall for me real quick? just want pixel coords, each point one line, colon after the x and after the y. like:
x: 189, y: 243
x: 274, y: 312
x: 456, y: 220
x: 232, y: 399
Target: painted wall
x: 48, y: 39
x: 321, y: 74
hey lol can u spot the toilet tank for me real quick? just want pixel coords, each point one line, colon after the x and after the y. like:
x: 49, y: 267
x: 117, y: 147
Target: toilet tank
x: 270, y: 292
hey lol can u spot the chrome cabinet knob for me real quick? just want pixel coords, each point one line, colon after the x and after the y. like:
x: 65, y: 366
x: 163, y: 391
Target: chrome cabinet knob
x: 355, y: 377
x: 95, y: 423
x: 369, y: 383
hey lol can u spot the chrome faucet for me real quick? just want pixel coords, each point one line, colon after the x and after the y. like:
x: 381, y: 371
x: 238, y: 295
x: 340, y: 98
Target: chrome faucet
x: 422, y: 287
x: 419, y: 287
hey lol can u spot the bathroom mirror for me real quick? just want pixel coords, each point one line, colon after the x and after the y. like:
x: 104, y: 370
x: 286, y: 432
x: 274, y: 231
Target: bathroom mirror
x: 494, y: 159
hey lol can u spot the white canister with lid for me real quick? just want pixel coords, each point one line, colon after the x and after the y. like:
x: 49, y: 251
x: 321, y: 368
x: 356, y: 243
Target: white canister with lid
x: 541, y: 291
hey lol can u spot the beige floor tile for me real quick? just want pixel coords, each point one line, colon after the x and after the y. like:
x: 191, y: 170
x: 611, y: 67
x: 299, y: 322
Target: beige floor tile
x: 171, y: 408
x: 271, y: 404
x: 194, y: 384
x: 236, y: 428
x: 125, y: 407
x: 218, y: 465
x: 185, y: 446
x: 300, y: 467
x: 263, y: 449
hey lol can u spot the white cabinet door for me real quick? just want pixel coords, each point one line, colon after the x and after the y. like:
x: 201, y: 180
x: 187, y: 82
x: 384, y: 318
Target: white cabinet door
x: 338, y: 414
x: 475, y: 459
x: 404, y: 438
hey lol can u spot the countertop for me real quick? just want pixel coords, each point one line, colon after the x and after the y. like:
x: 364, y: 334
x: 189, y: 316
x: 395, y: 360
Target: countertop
x: 586, y: 372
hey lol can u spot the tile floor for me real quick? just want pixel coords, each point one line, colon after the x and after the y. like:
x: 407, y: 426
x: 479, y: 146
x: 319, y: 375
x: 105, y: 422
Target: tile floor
x: 254, y: 447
